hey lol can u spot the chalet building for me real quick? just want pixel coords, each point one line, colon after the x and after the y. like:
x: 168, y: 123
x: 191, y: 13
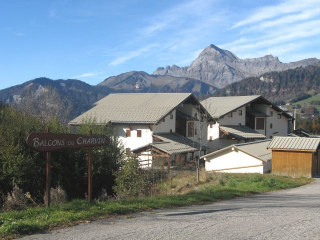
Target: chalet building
x: 252, y: 157
x: 295, y: 156
x: 244, y: 119
x: 170, y: 126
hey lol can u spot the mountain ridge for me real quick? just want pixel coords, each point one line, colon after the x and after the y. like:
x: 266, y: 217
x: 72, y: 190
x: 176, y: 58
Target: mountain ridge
x: 219, y: 67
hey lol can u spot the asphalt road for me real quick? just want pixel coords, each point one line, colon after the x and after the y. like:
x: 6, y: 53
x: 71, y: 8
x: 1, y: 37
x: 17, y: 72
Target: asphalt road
x: 288, y: 214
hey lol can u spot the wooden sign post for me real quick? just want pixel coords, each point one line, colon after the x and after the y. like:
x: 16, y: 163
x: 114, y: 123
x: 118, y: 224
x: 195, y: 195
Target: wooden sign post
x: 48, y: 142
x: 48, y: 175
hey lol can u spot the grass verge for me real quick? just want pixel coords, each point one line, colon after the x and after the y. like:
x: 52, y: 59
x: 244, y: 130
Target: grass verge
x: 215, y: 187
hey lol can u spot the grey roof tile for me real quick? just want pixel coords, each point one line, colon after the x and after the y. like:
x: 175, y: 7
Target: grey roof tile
x: 133, y: 107
x: 172, y: 143
x: 257, y: 149
x: 242, y: 132
x: 219, y: 106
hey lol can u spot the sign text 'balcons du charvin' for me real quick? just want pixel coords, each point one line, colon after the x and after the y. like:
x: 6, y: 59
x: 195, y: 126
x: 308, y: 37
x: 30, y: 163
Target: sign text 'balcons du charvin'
x: 46, y: 142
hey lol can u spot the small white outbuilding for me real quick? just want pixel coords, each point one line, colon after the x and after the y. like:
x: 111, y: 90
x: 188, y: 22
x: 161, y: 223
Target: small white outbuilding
x: 252, y: 157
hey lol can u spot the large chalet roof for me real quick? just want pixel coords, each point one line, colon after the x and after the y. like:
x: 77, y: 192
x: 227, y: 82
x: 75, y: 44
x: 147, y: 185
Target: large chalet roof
x: 221, y: 106
x: 145, y: 108
x: 295, y: 144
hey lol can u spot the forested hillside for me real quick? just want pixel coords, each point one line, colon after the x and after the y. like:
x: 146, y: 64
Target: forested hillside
x: 278, y: 87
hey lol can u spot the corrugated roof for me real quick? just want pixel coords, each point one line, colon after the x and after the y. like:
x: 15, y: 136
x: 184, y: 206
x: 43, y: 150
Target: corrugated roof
x: 241, y: 132
x: 133, y: 107
x: 295, y: 143
x: 219, y: 106
x: 256, y: 149
x: 172, y: 143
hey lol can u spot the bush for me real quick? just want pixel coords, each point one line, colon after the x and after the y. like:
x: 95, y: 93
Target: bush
x: 130, y: 180
x: 22, y: 166
x: 58, y: 196
x: 17, y: 200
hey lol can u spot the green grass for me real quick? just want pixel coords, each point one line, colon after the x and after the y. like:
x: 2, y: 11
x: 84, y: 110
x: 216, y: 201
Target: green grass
x: 213, y: 188
x: 309, y: 100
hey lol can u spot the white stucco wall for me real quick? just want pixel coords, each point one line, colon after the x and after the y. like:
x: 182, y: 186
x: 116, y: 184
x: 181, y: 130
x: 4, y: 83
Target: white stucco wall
x: 233, y: 161
x: 133, y: 141
x: 279, y: 125
x: 167, y: 125
x: 235, y: 119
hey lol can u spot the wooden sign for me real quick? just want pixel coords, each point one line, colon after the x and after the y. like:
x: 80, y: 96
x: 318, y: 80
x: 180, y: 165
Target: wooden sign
x: 46, y: 142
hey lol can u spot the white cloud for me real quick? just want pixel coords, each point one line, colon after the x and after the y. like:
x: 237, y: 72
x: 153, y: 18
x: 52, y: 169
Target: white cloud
x: 287, y: 7
x: 131, y: 55
x: 283, y: 29
x: 84, y: 75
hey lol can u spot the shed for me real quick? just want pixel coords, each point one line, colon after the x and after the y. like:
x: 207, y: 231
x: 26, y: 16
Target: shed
x: 295, y: 156
x: 252, y: 157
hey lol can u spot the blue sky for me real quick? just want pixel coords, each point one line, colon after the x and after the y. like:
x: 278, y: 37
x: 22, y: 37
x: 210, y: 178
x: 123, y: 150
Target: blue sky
x: 93, y: 40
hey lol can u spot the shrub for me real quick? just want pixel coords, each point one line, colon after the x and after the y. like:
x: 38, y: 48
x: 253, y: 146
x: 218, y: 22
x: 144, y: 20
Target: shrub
x: 17, y: 200
x: 130, y: 180
x: 58, y: 196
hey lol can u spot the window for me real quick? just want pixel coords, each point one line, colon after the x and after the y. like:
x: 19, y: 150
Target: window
x: 259, y: 123
x: 240, y: 112
x: 190, y: 129
x: 128, y: 133
x: 270, y: 125
x: 164, y: 119
x: 230, y: 114
x: 279, y: 116
x: 138, y: 133
x: 195, y: 131
x: 271, y: 113
x: 171, y: 116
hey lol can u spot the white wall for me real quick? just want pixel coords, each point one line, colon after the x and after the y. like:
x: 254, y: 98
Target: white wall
x: 233, y: 161
x: 167, y: 125
x: 235, y: 119
x: 279, y: 125
x: 133, y: 141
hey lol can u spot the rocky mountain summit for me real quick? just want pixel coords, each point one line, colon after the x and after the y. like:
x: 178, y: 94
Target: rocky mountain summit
x: 220, y: 68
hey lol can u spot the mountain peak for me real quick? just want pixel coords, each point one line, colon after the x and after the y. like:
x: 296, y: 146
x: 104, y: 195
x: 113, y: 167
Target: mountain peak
x: 213, y: 50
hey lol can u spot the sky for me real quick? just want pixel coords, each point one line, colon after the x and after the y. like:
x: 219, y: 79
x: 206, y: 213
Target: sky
x: 91, y: 40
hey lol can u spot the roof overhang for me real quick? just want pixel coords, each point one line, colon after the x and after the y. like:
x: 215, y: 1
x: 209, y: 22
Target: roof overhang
x: 241, y: 132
